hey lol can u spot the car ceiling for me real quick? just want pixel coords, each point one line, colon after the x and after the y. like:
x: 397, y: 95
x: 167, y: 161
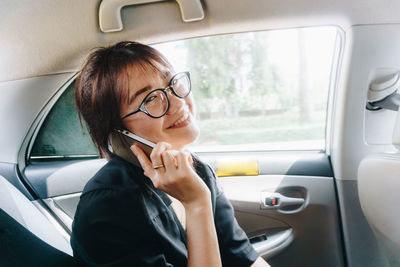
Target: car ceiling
x: 44, y: 37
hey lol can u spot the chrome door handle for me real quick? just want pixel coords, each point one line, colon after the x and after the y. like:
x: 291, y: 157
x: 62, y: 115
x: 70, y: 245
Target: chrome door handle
x: 277, y: 201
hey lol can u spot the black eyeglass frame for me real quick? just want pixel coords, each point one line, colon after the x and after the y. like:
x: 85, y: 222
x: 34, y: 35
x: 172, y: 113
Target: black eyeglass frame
x: 170, y: 86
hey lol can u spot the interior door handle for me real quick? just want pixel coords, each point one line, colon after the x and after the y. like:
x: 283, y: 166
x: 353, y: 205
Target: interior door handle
x: 110, y: 12
x: 277, y: 201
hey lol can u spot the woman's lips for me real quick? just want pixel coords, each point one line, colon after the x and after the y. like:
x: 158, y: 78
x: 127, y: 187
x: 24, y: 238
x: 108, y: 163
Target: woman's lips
x: 182, y: 122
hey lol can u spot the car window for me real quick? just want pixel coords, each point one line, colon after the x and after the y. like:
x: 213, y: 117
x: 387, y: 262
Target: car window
x: 61, y: 134
x: 253, y: 91
x: 259, y: 90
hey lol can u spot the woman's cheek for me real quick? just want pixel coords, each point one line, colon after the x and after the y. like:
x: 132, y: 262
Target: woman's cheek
x: 191, y: 104
x: 145, y: 128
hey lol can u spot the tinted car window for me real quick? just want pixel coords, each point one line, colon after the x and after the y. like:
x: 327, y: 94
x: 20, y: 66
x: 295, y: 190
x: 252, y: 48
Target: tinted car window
x: 61, y: 134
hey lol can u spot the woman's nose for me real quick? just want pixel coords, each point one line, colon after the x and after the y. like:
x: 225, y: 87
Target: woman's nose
x: 175, y: 103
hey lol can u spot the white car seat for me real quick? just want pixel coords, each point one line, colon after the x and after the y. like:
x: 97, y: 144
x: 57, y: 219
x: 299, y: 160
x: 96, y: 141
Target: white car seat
x: 27, y: 238
x: 379, y: 193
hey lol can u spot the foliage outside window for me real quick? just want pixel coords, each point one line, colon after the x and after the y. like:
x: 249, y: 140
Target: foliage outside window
x: 259, y: 90
x: 253, y: 91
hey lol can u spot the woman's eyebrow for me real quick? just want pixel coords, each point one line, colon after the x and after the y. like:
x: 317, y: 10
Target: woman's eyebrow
x: 138, y: 92
x: 166, y: 74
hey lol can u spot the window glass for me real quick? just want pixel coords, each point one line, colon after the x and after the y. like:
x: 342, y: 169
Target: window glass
x: 259, y: 90
x: 61, y: 134
x: 253, y: 91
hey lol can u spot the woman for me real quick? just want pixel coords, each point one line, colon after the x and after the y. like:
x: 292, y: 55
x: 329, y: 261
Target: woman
x: 168, y: 211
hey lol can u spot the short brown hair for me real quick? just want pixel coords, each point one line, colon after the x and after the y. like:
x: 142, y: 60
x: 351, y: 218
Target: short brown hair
x: 103, y: 83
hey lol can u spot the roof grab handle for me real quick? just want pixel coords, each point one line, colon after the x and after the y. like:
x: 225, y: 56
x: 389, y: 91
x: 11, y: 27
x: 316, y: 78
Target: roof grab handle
x: 382, y: 93
x: 110, y: 12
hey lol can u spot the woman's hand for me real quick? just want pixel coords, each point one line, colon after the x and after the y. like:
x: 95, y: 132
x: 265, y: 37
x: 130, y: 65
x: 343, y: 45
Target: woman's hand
x: 177, y: 178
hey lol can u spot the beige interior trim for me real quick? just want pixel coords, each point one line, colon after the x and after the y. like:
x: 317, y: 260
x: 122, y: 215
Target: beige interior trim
x: 46, y: 37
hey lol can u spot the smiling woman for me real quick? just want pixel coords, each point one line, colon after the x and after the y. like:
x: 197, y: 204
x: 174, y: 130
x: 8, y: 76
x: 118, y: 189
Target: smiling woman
x: 167, y: 210
x: 167, y: 114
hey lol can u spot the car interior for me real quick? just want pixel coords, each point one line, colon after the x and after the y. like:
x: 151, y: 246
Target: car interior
x: 297, y: 104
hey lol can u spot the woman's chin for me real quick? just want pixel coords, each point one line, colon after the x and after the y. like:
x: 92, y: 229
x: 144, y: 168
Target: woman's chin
x: 185, y: 139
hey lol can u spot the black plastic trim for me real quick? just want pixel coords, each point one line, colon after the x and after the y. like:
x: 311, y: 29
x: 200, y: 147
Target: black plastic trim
x: 299, y: 163
x: 340, y: 219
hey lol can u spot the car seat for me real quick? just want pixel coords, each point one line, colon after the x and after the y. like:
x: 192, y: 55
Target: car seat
x: 379, y: 193
x: 27, y: 238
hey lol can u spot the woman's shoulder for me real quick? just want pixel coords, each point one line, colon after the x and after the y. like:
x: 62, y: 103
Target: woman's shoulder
x: 110, y: 193
x: 116, y: 175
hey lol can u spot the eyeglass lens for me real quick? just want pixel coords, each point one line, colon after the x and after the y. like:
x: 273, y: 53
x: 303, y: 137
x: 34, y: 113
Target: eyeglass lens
x: 181, y: 85
x: 156, y: 103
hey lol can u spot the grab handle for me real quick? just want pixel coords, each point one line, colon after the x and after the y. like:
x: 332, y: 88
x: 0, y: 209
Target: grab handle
x: 110, y: 12
x: 274, y: 244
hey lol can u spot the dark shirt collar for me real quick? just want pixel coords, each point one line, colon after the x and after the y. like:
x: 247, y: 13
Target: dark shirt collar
x: 145, y: 181
x: 159, y: 192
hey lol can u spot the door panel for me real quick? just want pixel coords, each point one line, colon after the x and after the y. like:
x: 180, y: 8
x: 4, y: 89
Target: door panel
x: 315, y: 223
x: 59, y: 184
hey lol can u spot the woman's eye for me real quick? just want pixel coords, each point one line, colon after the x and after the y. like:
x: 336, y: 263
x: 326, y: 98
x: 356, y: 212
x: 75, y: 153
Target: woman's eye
x: 150, y: 99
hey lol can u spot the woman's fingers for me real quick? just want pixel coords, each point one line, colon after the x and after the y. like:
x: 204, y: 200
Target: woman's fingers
x: 177, y: 178
x: 176, y: 175
x: 143, y: 160
x: 169, y: 160
x: 190, y: 160
x: 156, y: 153
x: 183, y: 160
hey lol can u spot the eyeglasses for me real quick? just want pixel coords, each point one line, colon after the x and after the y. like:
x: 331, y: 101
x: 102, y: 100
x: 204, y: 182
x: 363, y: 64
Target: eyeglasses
x: 156, y: 103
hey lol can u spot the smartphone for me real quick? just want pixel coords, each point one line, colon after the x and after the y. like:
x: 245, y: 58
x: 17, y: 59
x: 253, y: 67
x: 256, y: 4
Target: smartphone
x: 121, y: 141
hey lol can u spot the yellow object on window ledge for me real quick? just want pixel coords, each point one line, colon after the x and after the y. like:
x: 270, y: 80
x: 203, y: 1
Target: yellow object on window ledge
x: 236, y: 167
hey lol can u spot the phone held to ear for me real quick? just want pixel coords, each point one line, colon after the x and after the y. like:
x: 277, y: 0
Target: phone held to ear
x: 121, y: 141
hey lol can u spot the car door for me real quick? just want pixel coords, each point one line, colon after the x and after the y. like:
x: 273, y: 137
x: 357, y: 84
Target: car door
x: 282, y: 189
